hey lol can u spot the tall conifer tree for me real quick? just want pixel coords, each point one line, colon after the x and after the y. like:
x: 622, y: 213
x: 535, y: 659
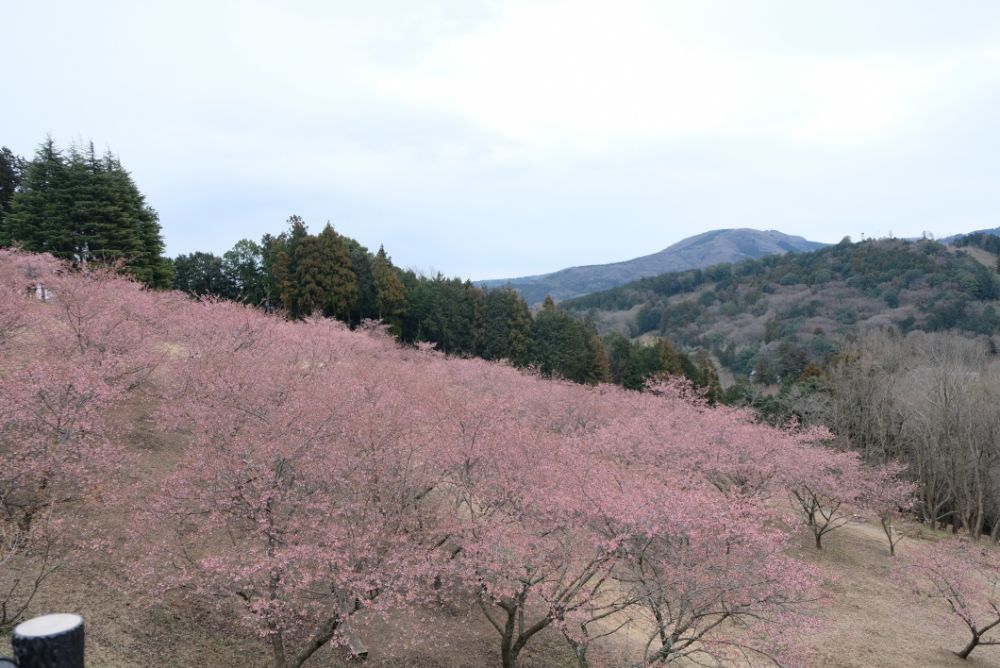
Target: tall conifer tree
x: 87, y: 209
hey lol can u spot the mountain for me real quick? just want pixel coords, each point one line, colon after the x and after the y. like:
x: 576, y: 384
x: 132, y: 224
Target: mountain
x: 993, y: 231
x: 702, y: 250
x: 776, y: 314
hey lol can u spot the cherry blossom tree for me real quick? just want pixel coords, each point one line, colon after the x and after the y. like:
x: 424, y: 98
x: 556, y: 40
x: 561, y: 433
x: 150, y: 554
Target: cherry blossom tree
x: 717, y: 588
x: 888, y: 496
x: 55, y: 449
x: 322, y: 473
x: 965, y: 577
x: 302, y: 497
x: 521, y: 535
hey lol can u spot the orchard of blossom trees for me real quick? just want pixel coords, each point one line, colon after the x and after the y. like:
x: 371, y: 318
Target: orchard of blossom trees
x: 326, y: 474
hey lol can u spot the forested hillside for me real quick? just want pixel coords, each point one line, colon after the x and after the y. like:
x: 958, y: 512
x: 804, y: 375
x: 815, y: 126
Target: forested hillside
x: 773, y: 316
x: 699, y: 251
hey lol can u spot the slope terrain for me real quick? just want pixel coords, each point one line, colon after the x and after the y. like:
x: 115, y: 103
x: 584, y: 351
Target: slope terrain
x: 776, y: 314
x: 187, y: 424
x: 702, y: 250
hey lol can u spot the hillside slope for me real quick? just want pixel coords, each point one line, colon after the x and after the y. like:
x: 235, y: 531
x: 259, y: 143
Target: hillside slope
x: 702, y: 250
x: 205, y: 434
x: 776, y: 314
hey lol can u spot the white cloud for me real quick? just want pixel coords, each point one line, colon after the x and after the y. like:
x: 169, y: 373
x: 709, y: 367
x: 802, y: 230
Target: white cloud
x: 593, y: 76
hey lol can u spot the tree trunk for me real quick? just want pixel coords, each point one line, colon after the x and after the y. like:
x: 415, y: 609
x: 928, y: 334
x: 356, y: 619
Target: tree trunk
x: 278, y: 650
x: 819, y: 540
x: 508, y: 653
x: 967, y: 650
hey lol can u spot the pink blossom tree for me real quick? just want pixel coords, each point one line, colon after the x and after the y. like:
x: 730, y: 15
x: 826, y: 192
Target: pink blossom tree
x: 965, y: 577
x: 56, y: 455
x: 322, y: 473
x: 700, y: 559
x: 521, y: 534
x: 829, y: 489
x: 717, y: 588
x: 887, y: 497
x: 304, y: 491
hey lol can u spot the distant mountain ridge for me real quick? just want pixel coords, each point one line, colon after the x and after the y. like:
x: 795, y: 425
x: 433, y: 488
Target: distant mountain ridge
x: 776, y: 314
x: 994, y: 231
x: 700, y: 251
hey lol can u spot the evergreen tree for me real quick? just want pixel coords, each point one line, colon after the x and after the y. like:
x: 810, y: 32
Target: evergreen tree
x: 669, y: 362
x: 11, y: 169
x: 86, y: 209
x: 202, y: 274
x: 361, y: 264
x: 311, y: 285
x: 390, y: 294
x: 39, y: 213
x: 506, y: 327
x: 443, y: 311
x: 279, y: 255
x: 709, y: 376
x: 343, y: 294
x: 563, y: 346
x: 323, y: 278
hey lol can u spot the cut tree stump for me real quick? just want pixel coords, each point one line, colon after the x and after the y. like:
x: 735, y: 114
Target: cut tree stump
x: 356, y: 647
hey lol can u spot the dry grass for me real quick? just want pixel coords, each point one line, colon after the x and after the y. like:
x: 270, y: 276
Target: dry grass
x: 869, y: 619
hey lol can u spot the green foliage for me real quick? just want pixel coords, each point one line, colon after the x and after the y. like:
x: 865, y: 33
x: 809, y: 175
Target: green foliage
x: 362, y: 263
x: 507, y: 327
x: 243, y: 267
x: 87, y: 209
x: 926, y: 286
x: 443, y: 311
x: 632, y: 364
x: 388, y: 289
x: 202, y: 274
x: 565, y: 347
x: 11, y: 168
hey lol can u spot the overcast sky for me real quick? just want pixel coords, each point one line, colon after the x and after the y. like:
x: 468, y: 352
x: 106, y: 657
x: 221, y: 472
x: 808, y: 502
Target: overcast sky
x: 499, y: 139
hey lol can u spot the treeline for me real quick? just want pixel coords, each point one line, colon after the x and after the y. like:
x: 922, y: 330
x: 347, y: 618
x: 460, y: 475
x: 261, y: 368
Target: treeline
x: 82, y: 207
x: 328, y: 274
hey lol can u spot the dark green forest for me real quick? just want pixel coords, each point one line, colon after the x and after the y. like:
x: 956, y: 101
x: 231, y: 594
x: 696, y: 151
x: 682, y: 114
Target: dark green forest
x: 82, y: 207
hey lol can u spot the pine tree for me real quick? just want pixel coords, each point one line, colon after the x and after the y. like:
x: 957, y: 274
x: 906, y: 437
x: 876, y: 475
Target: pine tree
x: 709, y: 376
x: 86, y: 209
x: 563, y: 346
x: 311, y: 280
x: 11, y: 170
x: 343, y: 293
x: 361, y: 264
x: 669, y: 361
x: 323, y: 279
x: 506, y: 326
x: 39, y: 212
x: 390, y: 295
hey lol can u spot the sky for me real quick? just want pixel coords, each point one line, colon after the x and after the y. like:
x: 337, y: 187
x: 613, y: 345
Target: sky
x: 487, y: 139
